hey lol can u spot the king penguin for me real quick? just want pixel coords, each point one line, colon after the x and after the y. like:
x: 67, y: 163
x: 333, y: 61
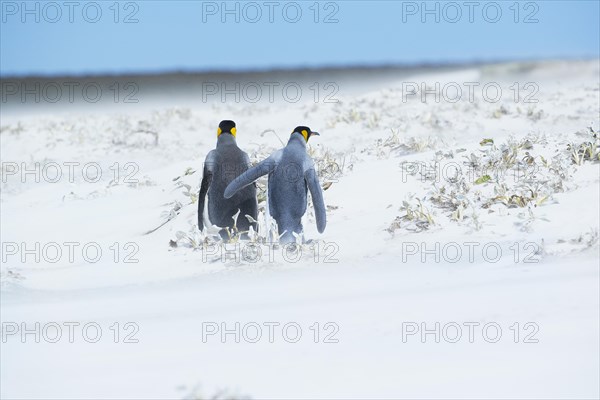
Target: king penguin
x: 291, y: 175
x: 223, y: 164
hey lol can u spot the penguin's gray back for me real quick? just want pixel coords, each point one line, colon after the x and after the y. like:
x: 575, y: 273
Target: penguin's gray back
x: 228, y: 162
x: 287, y: 186
x: 291, y: 175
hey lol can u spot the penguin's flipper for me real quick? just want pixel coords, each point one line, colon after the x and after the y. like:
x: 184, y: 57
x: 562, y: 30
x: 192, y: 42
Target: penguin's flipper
x: 206, y: 180
x: 207, y: 175
x: 312, y: 181
x: 264, y: 167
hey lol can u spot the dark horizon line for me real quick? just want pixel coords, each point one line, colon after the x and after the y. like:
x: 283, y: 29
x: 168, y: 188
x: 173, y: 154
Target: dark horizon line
x: 326, y: 67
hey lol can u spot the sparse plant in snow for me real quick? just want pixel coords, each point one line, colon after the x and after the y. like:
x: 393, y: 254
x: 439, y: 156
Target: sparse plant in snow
x: 513, y: 174
x: 9, y: 277
x: 221, y: 394
x: 394, y: 144
x: 586, y: 151
x: 416, y: 217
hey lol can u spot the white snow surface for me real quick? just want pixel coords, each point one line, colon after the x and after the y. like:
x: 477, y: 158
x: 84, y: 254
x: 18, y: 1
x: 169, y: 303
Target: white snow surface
x: 364, y: 282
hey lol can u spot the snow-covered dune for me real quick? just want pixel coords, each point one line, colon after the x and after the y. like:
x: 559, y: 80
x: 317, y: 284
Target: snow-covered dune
x: 460, y: 259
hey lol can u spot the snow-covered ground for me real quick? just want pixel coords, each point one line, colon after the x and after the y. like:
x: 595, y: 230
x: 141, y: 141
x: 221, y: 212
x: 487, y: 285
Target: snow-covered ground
x: 460, y: 259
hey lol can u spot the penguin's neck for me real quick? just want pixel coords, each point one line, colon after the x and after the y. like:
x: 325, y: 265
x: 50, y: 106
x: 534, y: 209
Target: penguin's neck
x: 297, y: 140
x: 225, y: 139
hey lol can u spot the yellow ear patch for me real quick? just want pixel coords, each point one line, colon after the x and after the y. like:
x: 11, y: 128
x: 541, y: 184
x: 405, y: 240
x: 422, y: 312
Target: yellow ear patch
x: 305, y: 134
x: 233, y: 131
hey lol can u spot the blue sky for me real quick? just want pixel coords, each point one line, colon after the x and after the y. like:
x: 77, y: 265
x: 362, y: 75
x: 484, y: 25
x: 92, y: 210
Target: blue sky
x: 191, y: 35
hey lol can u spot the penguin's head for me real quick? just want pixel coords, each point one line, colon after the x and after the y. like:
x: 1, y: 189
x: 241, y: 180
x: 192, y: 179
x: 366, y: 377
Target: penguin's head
x: 305, y: 132
x: 226, y: 126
